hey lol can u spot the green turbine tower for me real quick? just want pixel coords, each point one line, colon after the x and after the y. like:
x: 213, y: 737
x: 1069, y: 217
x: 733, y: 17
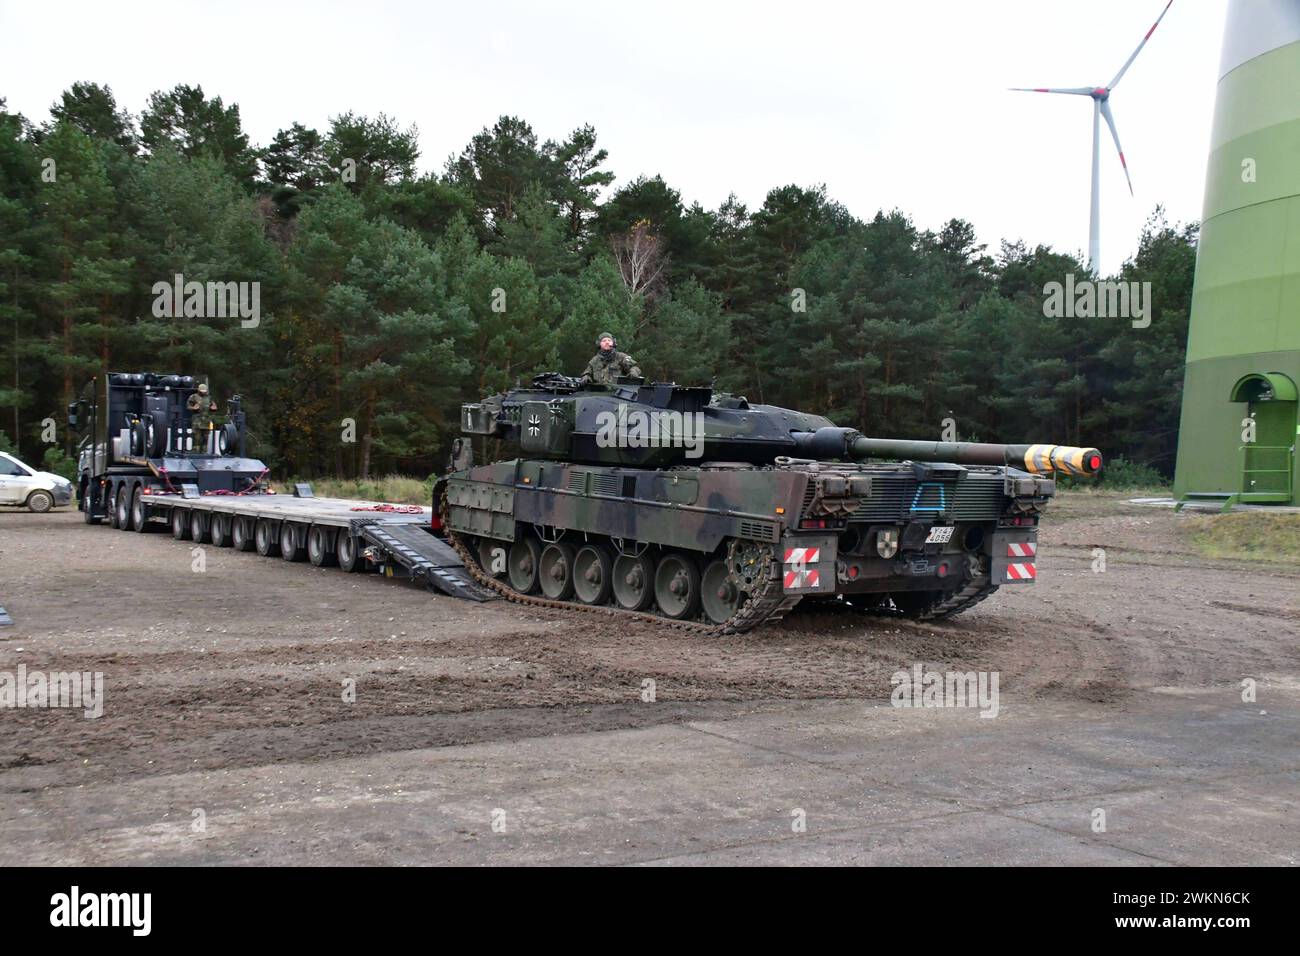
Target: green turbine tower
x: 1237, y: 439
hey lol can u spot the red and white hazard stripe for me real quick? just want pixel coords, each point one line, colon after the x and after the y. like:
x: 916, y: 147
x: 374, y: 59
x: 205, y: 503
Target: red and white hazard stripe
x: 1025, y: 571
x: 794, y: 580
x: 801, y: 555
x: 1024, y: 549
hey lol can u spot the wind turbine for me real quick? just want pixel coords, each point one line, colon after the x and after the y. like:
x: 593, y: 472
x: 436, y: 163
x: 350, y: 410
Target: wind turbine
x: 1101, y: 109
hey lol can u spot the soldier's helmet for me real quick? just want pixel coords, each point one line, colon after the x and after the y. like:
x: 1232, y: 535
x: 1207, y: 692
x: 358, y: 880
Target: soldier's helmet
x: 203, y: 388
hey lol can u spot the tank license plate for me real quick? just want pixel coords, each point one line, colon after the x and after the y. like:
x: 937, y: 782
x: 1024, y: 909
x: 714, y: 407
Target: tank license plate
x: 940, y: 534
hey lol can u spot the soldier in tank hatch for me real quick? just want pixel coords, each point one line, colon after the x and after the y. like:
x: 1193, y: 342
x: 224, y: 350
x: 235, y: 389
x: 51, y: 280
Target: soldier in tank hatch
x: 608, y: 363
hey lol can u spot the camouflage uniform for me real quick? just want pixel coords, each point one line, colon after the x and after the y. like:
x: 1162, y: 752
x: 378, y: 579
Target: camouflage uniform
x: 604, y: 367
x: 202, y: 410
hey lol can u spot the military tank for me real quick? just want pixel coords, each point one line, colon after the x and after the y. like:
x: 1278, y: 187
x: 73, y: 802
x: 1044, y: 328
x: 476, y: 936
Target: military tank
x: 705, y: 511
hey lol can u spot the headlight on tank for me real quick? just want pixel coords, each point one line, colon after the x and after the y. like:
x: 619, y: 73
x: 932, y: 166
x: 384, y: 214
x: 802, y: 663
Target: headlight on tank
x: 887, y: 542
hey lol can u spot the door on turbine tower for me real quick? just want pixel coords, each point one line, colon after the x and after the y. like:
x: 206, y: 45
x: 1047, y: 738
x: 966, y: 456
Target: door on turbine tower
x: 1268, y: 470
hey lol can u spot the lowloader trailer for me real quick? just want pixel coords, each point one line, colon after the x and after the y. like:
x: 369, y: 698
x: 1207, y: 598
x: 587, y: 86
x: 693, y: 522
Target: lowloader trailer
x: 150, y: 457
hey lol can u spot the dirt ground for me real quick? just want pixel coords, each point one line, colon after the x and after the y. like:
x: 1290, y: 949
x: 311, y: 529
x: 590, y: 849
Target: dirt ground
x: 244, y: 664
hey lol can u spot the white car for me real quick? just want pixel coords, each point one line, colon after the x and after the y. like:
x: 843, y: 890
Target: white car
x: 38, y: 491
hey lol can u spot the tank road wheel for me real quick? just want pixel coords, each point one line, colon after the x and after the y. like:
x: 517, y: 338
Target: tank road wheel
x: 320, y: 546
x: 180, y: 521
x: 633, y: 582
x: 198, y: 529
x: 266, y: 538
x: 677, y: 585
x: 139, y: 511
x: 241, y: 534
x: 349, y: 552
x: 492, y: 556
x: 291, y: 548
x: 219, y: 530
x: 593, y: 574
x: 521, y: 564
x: 555, y: 571
x: 719, y: 594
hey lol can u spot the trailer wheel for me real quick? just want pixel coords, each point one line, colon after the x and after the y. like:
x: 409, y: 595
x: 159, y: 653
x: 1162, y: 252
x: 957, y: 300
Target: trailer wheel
x: 139, y: 511
x: 265, y: 538
x: 349, y: 553
x: 110, y: 505
x: 123, y: 507
x: 290, y: 549
x: 320, y: 546
x: 219, y: 530
x: 180, y: 524
x: 241, y: 534
x: 197, y: 530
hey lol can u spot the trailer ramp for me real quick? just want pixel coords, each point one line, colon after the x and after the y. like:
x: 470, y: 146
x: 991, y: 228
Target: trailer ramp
x: 425, y: 556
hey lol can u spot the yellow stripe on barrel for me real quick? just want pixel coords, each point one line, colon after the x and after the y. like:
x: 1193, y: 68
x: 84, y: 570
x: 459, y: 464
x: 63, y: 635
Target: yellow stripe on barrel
x: 1064, y: 459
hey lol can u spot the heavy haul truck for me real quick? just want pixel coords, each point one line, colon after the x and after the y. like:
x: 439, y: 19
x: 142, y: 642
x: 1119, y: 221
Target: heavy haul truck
x: 658, y: 502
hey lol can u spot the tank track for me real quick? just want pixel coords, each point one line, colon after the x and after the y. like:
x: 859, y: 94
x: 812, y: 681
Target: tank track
x: 978, y: 587
x: 770, y: 603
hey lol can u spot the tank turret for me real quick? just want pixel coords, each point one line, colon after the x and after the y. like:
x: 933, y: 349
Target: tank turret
x: 661, y: 425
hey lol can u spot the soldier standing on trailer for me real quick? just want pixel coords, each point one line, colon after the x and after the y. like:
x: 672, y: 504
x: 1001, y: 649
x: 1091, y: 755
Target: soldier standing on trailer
x: 202, y: 407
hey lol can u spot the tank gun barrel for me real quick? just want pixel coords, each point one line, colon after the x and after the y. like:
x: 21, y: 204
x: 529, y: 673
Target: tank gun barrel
x: 1037, y: 458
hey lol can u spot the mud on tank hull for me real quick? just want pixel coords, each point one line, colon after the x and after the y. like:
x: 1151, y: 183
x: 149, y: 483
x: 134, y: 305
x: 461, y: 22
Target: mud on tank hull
x: 728, y: 546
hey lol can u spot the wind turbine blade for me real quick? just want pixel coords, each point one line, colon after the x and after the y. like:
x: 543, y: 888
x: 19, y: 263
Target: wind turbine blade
x: 1110, y: 121
x: 1076, y: 90
x: 1124, y: 69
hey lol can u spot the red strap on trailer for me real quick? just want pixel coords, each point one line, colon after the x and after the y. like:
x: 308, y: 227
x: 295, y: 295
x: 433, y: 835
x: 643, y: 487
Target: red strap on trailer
x: 391, y: 509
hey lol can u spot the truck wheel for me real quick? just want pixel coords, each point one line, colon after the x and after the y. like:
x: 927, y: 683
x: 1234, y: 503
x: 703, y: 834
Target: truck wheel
x: 122, y: 508
x: 677, y: 586
x: 40, y: 502
x: 88, y: 502
x: 349, y: 553
x: 219, y: 530
x: 138, y: 444
x: 320, y: 546
x: 633, y: 581
x: 139, y: 511
x: 198, y: 532
x: 290, y: 549
x: 180, y: 524
x: 155, y: 434
x: 593, y: 574
x: 265, y: 538
x: 241, y: 536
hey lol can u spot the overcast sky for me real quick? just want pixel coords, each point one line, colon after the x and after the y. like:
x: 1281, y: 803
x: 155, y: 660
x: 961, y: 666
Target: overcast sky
x: 890, y: 104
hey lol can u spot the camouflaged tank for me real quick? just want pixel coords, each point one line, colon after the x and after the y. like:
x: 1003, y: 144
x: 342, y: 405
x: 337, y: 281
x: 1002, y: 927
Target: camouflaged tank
x: 710, y: 512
